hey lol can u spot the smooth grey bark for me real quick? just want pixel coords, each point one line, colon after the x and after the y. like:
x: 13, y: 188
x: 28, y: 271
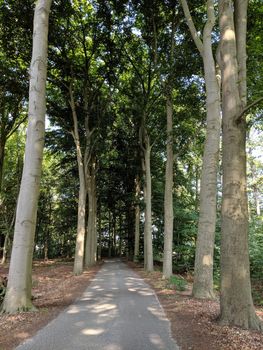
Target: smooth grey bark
x: 168, y: 194
x: 18, y: 294
x: 203, y: 273
x: 90, y: 255
x: 91, y: 238
x: 236, y: 304
x: 148, y: 254
x: 81, y: 225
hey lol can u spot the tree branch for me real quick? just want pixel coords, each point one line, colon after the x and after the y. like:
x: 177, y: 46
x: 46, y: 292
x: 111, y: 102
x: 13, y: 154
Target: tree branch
x: 192, y: 28
x: 16, y: 127
x: 248, y: 107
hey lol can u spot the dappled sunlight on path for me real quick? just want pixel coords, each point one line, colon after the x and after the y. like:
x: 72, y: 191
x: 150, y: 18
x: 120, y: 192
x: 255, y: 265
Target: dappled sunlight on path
x: 118, y: 311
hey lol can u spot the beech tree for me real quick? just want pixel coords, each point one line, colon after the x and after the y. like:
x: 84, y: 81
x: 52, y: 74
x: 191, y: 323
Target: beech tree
x: 236, y: 304
x: 169, y: 173
x: 81, y: 229
x: 203, y: 272
x: 18, y: 294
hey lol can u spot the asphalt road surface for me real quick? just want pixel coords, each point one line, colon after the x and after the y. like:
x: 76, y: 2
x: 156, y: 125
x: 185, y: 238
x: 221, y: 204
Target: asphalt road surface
x: 118, y: 311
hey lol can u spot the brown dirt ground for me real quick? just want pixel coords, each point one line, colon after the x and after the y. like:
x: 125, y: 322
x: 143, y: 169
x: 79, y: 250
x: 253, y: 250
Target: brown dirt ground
x: 54, y: 288
x: 193, y: 322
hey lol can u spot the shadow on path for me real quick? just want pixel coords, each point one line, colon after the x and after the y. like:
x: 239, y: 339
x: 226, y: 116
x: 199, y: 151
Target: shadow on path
x: 118, y: 311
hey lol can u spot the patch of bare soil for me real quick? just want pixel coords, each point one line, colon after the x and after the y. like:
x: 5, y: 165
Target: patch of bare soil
x: 194, y: 322
x: 54, y: 288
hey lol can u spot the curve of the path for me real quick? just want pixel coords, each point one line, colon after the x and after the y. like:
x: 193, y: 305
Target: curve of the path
x: 118, y: 311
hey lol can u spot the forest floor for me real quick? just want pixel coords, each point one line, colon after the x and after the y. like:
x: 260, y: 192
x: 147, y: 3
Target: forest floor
x: 193, y: 322
x: 54, y: 288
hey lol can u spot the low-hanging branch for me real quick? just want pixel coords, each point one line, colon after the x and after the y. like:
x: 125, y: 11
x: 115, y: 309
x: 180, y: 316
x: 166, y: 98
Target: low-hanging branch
x: 248, y: 107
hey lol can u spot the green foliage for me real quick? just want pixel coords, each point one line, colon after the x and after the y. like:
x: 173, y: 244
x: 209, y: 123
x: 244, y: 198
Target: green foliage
x: 177, y: 282
x: 117, y: 56
x: 256, y: 247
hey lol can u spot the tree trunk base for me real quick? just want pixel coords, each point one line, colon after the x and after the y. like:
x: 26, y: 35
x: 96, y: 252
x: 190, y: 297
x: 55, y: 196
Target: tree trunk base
x: 249, y: 321
x: 203, y: 294
x: 77, y: 272
x: 16, y: 308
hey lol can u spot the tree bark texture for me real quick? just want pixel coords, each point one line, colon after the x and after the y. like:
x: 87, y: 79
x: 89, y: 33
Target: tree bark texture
x: 18, y: 294
x: 148, y: 254
x: 91, y: 235
x: 203, y: 276
x: 168, y: 194
x: 236, y: 304
x: 203, y: 273
x: 81, y: 225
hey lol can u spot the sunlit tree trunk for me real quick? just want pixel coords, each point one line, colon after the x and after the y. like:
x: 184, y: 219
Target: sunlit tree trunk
x: 236, y: 304
x: 18, y: 294
x: 203, y: 273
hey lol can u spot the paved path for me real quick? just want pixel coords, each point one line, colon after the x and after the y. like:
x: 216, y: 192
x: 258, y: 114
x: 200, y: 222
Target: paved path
x: 118, y: 311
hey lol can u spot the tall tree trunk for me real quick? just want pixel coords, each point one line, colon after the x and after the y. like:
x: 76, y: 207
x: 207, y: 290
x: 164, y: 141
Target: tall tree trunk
x: 94, y: 197
x: 148, y: 254
x: 99, y: 231
x: 81, y: 225
x: 91, y: 236
x: 110, y: 240
x: 120, y: 235
x: 203, y: 273
x: 236, y: 304
x: 81, y: 229
x: 137, y: 220
x: 130, y: 229
x: 18, y: 294
x: 168, y: 194
x: 114, y: 233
